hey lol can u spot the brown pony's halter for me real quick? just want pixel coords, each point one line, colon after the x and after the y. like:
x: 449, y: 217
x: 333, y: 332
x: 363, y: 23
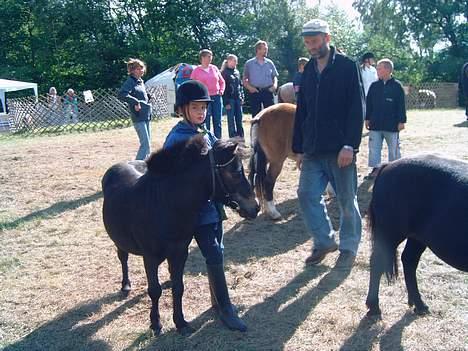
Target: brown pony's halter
x: 228, y: 201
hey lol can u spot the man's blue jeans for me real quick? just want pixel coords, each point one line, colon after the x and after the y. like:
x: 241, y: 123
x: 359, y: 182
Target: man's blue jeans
x: 234, y: 118
x: 316, y: 172
x: 376, y: 138
x: 215, y: 110
x: 143, y: 130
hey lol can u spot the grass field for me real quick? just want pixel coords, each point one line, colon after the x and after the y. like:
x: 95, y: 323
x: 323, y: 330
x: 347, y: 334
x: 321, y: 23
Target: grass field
x: 61, y: 277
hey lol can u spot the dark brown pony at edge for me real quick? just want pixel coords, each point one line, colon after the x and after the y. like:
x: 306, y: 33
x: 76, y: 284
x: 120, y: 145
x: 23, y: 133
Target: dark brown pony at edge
x: 271, y: 138
x: 151, y: 209
x: 423, y: 199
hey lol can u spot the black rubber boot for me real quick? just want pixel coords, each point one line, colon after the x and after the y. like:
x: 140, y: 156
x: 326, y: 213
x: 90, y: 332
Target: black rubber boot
x: 227, y: 312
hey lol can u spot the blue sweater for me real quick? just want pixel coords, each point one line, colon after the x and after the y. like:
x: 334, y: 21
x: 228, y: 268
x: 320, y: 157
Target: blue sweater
x: 182, y: 131
x: 133, y: 91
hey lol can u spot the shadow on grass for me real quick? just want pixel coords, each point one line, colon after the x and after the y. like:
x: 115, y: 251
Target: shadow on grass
x: 368, y: 332
x: 254, y: 239
x: 462, y: 124
x: 69, y: 332
x: 51, y: 211
x: 271, y: 323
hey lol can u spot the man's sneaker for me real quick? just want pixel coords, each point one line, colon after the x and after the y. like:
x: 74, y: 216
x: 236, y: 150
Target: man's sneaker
x: 345, y: 259
x: 319, y: 254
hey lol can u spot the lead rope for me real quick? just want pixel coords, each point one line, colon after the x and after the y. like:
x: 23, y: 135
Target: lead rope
x: 213, y: 176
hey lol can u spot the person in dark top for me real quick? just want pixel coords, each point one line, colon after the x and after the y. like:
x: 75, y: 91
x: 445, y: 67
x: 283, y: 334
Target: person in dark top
x: 385, y: 115
x: 133, y: 92
x: 326, y: 137
x: 301, y: 62
x: 233, y: 96
x: 463, y: 86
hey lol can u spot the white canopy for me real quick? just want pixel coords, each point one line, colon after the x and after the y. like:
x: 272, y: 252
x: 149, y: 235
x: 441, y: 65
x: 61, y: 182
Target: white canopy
x: 7, y: 85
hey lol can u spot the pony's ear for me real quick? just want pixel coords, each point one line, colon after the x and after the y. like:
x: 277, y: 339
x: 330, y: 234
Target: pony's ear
x: 198, y: 144
x: 232, y: 147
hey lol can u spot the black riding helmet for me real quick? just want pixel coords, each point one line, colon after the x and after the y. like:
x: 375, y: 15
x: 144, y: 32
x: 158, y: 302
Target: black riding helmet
x: 191, y: 90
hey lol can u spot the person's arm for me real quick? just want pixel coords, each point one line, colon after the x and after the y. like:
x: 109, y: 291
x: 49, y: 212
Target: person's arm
x: 194, y: 74
x: 221, y: 82
x: 246, y: 82
x: 275, y: 77
x: 369, y: 105
x: 301, y: 113
x: 401, y: 107
x: 356, y: 109
x: 275, y: 85
x: 124, y: 94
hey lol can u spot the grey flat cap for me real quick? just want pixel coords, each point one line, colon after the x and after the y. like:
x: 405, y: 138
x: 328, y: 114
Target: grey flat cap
x: 315, y: 26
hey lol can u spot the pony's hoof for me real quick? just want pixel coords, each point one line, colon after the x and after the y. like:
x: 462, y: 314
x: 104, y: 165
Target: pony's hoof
x: 186, y: 330
x: 126, y: 288
x: 156, y: 331
x: 422, y: 310
x: 271, y: 210
x: 374, y: 313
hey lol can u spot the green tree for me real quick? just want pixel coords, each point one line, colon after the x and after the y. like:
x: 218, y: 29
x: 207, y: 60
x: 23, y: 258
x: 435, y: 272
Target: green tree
x: 421, y: 28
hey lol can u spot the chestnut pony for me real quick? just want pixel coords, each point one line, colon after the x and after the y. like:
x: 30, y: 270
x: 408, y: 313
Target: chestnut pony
x: 271, y: 139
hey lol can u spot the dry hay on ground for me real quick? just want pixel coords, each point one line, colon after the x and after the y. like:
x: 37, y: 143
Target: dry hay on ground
x: 60, y: 274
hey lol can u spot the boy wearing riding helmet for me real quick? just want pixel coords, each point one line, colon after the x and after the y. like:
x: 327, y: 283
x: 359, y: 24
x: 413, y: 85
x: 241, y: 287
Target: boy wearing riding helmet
x: 192, y: 99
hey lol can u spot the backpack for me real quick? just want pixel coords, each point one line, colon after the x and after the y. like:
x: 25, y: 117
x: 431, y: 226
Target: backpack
x: 183, y: 73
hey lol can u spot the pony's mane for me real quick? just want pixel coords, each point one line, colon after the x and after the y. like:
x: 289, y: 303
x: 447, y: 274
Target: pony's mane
x: 178, y: 157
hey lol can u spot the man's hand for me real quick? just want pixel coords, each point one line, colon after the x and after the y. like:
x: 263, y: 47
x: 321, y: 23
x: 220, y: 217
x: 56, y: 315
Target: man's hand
x: 252, y: 90
x: 345, y: 157
x: 299, y: 159
x: 227, y: 106
x: 137, y: 107
x: 367, y: 122
x: 401, y: 126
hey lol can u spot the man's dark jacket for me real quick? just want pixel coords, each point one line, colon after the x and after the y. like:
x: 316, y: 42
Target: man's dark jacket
x: 330, y: 108
x: 385, y: 105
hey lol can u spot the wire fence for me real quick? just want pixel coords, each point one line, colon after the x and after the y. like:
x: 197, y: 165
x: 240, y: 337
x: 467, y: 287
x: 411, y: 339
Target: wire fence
x: 91, y: 110
x: 431, y: 95
x: 101, y: 109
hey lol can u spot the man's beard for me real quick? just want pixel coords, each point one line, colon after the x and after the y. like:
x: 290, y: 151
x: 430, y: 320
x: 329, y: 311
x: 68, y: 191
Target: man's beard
x: 321, y: 53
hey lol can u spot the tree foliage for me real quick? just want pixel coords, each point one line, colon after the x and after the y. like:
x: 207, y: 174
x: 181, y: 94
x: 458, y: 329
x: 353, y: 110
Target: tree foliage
x: 84, y: 43
x: 430, y: 31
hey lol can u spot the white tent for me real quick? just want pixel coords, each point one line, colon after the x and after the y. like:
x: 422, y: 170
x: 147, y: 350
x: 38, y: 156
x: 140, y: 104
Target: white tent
x: 7, y: 85
x: 165, y: 78
x: 171, y: 77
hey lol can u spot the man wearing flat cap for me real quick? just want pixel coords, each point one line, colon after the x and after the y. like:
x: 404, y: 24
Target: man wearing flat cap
x: 327, y: 135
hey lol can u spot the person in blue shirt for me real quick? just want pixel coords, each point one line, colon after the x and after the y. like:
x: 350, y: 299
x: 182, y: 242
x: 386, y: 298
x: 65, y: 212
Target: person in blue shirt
x: 133, y: 92
x: 192, y: 99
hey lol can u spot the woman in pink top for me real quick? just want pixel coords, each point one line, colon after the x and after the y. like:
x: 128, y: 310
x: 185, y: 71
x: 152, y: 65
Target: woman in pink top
x: 211, y: 77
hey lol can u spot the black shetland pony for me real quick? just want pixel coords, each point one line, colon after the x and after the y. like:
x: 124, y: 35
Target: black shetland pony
x: 423, y: 199
x: 151, y: 209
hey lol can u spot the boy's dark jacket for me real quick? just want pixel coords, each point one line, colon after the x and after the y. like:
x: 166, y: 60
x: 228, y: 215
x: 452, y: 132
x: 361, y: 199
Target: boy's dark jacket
x: 385, y: 105
x: 330, y: 109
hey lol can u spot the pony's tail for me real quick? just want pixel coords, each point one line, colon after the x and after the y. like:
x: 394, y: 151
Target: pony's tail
x: 384, y: 253
x: 257, y: 164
